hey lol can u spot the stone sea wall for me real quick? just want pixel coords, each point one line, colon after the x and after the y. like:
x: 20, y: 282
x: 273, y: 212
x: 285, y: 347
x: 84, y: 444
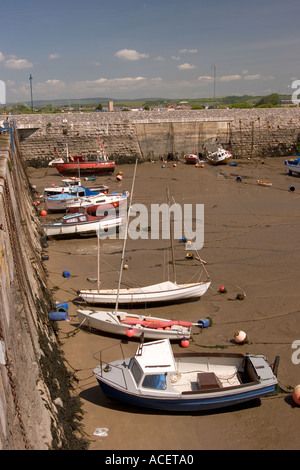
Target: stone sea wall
x: 152, y: 135
x: 36, y: 409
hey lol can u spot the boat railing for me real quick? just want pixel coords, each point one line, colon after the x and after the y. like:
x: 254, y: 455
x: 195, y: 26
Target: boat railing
x: 105, y: 366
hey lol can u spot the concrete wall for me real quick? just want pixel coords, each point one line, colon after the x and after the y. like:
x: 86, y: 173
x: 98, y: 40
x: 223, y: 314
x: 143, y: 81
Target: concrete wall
x: 34, y: 388
x: 151, y: 135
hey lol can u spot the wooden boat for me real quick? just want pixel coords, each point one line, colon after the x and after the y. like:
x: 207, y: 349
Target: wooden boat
x: 264, y: 183
x: 94, y: 203
x: 220, y: 157
x: 167, y: 292
x: 81, y: 223
x: 293, y: 165
x: 122, y: 323
x: 156, y: 378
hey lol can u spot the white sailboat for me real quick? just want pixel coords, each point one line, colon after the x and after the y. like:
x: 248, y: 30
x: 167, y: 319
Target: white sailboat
x: 163, y: 292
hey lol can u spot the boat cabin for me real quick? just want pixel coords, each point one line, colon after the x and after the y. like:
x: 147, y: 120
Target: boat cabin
x: 152, y: 364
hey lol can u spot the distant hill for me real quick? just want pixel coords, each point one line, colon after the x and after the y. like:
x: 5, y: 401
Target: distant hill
x: 141, y: 102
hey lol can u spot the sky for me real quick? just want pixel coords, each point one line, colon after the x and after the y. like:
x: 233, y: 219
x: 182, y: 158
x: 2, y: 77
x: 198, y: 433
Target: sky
x: 131, y: 49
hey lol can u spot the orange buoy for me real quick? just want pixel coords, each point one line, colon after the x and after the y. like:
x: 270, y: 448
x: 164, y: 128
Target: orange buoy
x: 222, y: 289
x: 202, y: 166
x: 130, y: 332
x: 43, y: 212
x: 185, y: 342
x: 240, y: 337
x: 296, y: 394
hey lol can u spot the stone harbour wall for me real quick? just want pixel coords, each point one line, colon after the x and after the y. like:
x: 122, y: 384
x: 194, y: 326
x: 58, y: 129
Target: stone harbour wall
x: 153, y: 135
x: 36, y: 409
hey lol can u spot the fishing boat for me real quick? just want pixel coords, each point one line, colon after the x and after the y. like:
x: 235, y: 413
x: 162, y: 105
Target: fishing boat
x: 74, y: 224
x: 264, y: 183
x: 191, y: 158
x: 92, y: 204
x: 59, y: 202
x: 220, y: 157
x: 163, y: 292
x: 69, y: 184
x: 157, y: 378
x: 133, y: 326
x: 293, y: 165
x: 77, y: 165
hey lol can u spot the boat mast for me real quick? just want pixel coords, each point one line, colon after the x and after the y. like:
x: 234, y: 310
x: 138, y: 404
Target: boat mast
x: 125, y: 238
x: 171, y: 236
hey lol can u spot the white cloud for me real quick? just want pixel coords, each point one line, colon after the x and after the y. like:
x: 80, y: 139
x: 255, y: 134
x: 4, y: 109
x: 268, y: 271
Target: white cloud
x: 205, y: 78
x: 159, y: 58
x: 188, y: 51
x: 186, y: 66
x: 252, y: 77
x: 2, y: 58
x: 229, y: 78
x: 175, y: 57
x: 130, y: 54
x: 15, y: 63
x: 54, y: 56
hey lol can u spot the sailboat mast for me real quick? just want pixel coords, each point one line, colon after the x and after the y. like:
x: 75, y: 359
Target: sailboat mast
x: 125, y: 239
x: 171, y: 236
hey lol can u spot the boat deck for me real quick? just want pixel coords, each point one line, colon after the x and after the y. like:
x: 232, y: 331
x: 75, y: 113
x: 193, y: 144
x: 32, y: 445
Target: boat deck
x: 204, y: 377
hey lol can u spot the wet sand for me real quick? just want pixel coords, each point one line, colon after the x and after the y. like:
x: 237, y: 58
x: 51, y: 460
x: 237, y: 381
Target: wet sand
x: 251, y: 245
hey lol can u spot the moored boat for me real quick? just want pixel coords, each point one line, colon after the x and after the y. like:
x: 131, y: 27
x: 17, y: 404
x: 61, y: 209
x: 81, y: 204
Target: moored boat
x: 74, y: 224
x: 134, y: 326
x: 264, y: 183
x: 191, y: 158
x: 220, y: 157
x: 164, y: 292
x: 156, y: 378
x: 94, y: 203
x: 293, y: 165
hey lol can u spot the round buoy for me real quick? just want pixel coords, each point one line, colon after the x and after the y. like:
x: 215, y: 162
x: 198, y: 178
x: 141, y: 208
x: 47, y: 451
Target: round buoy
x: 292, y: 188
x: 53, y: 185
x: 45, y: 257
x: 240, y: 337
x: 174, y: 165
x: 163, y: 166
x: 222, y: 289
x: 119, y: 177
x: 43, y: 212
x: 125, y: 266
x: 202, y: 166
x: 240, y: 296
x: 120, y: 173
x: 238, y: 178
x: 66, y: 274
x: 185, y: 342
x: 196, y: 166
x: 296, y: 394
x: 130, y: 332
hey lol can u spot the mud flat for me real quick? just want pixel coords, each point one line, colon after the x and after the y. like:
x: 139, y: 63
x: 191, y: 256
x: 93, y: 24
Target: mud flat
x: 251, y: 240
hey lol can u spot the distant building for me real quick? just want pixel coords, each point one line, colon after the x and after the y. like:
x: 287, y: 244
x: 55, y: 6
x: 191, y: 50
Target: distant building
x: 110, y: 106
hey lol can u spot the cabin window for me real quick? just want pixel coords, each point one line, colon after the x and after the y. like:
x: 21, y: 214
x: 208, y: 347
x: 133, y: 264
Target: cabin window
x: 136, y: 372
x: 82, y: 218
x: 72, y: 221
x: 157, y: 381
